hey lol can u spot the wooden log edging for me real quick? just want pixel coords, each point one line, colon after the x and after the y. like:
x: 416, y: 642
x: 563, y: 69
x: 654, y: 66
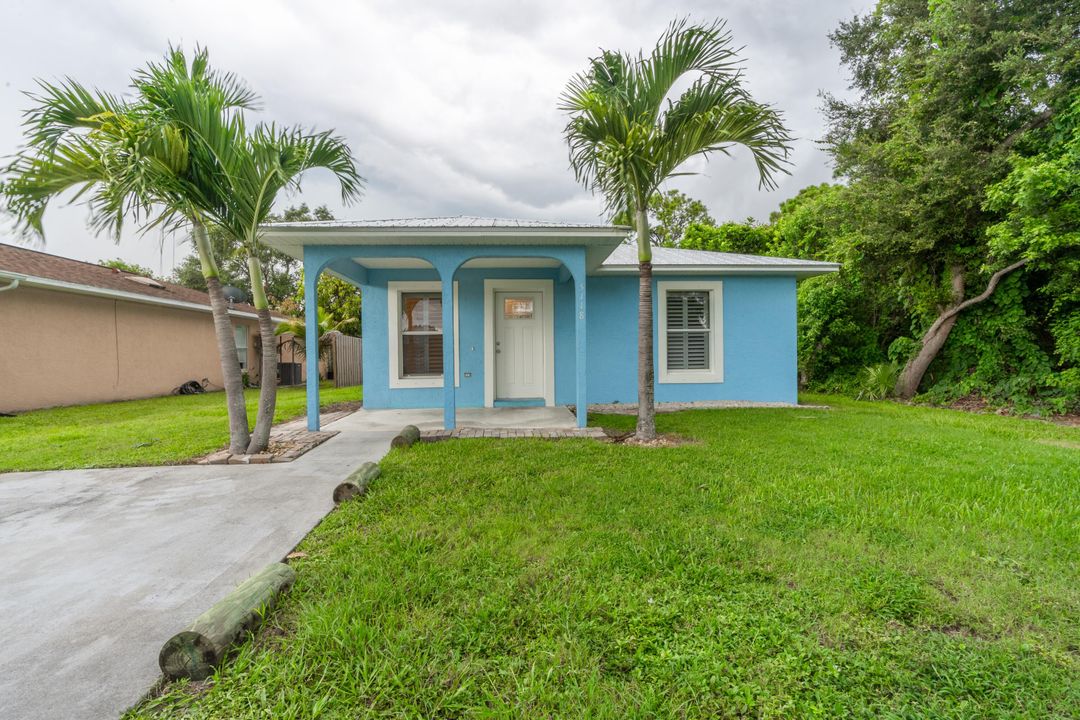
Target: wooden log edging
x: 408, y: 436
x: 356, y: 485
x: 195, y: 652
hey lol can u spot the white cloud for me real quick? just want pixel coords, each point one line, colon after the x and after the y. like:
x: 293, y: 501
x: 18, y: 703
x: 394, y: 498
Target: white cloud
x: 450, y: 107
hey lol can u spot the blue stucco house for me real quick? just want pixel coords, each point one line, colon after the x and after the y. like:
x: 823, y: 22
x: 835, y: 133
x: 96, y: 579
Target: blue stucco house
x: 523, y: 312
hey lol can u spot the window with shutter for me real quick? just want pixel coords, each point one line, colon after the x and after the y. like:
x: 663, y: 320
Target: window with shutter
x: 688, y: 330
x: 691, y: 341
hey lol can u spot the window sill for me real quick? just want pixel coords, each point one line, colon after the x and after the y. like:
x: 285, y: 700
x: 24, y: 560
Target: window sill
x: 416, y: 382
x: 683, y: 377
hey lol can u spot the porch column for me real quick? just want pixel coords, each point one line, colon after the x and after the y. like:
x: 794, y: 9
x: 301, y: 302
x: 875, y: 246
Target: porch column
x: 581, y: 357
x: 449, y: 371
x: 311, y: 344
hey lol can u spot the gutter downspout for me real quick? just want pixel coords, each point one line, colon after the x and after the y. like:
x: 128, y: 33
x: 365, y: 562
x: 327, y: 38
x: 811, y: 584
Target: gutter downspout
x: 11, y: 285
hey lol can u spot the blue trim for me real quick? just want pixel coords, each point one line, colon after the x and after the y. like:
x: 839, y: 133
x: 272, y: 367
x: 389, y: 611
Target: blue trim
x: 311, y: 344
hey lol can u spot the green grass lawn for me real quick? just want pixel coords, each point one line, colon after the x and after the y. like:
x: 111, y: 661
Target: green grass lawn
x: 135, y: 432
x: 869, y: 560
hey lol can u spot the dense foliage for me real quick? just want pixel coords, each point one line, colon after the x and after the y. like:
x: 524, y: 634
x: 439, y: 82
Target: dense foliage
x: 959, y: 161
x: 671, y: 213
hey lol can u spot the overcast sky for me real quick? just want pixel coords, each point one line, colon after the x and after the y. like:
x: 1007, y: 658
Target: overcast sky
x: 450, y: 107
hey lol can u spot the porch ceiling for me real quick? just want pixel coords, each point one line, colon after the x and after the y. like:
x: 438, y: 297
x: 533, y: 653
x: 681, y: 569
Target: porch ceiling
x: 486, y: 262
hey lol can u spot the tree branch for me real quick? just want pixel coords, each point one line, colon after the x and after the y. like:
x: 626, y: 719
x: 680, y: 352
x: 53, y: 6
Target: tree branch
x: 985, y: 294
x: 1040, y: 120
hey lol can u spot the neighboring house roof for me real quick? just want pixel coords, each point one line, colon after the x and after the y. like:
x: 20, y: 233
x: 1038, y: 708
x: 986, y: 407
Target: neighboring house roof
x: 32, y: 268
x: 608, y: 251
x: 668, y: 260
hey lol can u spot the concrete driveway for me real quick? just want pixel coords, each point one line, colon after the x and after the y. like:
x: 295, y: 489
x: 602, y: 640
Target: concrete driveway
x: 100, y: 567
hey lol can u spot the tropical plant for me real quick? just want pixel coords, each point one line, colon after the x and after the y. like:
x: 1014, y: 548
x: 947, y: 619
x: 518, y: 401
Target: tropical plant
x: 626, y: 138
x: 271, y: 160
x: 328, y: 324
x: 876, y: 382
x: 180, y: 153
x: 153, y: 159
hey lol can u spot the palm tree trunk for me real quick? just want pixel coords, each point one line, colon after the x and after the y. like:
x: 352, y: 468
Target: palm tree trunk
x: 646, y: 422
x: 260, y: 437
x: 226, y: 340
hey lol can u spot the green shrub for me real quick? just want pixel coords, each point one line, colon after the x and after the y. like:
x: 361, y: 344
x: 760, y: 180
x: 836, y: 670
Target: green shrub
x: 876, y: 382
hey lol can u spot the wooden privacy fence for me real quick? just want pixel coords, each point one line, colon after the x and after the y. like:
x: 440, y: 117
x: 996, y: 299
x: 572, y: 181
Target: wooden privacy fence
x: 346, y: 356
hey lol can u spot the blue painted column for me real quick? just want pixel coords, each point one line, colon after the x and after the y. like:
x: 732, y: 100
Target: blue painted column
x: 580, y: 355
x: 311, y: 341
x: 449, y: 371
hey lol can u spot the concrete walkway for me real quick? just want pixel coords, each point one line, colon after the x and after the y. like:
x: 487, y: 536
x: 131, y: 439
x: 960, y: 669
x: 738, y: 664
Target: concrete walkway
x: 100, y: 567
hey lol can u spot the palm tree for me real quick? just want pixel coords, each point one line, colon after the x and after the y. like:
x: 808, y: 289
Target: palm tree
x: 626, y: 138
x: 153, y: 159
x: 269, y: 161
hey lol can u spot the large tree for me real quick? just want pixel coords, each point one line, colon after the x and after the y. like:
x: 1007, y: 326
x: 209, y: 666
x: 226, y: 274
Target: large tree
x: 626, y: 137
x: 945, y: 91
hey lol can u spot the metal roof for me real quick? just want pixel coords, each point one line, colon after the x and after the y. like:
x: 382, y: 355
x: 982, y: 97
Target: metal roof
x: 608, y: 251
x: 673, y: 260
x: 449, y: 222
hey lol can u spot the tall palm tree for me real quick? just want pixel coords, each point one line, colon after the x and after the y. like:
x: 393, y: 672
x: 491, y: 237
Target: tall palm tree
x: 268, y: 161
x: 153, y: 159
x: 626, y: 138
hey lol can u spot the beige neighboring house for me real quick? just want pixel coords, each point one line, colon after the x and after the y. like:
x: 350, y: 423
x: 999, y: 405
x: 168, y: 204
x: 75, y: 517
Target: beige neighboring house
x: 76, y: 333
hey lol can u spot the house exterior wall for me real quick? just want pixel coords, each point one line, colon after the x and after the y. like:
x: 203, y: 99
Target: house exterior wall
x: 758, y: 326
x: 64, y: 348
x: 759, y: 334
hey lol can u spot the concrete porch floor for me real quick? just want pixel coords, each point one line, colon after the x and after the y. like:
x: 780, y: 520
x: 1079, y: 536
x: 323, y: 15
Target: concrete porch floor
x: 503, y: 418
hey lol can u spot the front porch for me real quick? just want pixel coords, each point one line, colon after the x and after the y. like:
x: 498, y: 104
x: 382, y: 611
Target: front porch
x: 498, y: 422
x: 458, y: 315
x: 503, y: 418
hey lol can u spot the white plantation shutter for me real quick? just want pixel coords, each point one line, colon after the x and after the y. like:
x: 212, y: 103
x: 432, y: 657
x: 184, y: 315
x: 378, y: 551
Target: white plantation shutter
x: 688, y: 330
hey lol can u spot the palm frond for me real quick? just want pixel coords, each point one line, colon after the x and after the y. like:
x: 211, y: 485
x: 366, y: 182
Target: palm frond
x: 625, y: 137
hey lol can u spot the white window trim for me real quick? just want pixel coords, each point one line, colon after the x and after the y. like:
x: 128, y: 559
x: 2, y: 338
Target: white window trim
x: 546, y: 288
x: 394, y: 289
x: 241, y: 331
x: 715, y: 374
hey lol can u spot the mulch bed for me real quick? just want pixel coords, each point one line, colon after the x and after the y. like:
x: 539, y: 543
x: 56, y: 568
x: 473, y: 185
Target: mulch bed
x: 626, y: 437
x: 979, y: 405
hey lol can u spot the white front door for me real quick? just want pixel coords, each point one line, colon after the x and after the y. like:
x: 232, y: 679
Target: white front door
x: 519, y: 345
